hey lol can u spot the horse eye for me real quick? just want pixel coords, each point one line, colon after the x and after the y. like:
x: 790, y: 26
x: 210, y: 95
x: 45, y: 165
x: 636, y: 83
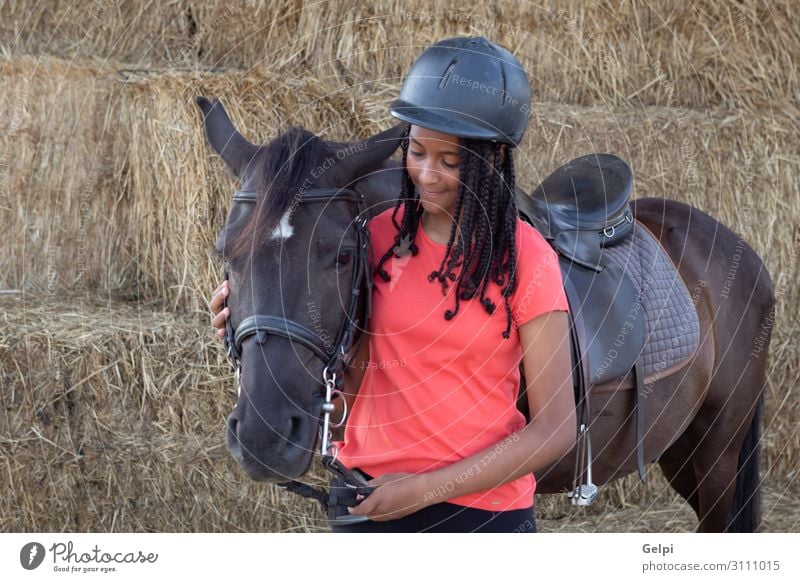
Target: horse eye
x: 344, y: 257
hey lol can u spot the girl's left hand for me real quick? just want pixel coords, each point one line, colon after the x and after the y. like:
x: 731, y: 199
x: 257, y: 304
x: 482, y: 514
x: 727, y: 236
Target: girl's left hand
x: 396, y: 495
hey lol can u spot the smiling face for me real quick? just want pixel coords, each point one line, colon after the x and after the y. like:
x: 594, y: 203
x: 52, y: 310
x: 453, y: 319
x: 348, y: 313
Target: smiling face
x: 433, y: 164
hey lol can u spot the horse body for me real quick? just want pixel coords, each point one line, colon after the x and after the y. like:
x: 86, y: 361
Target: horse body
x: 698, y: 418
x: 701, y: 422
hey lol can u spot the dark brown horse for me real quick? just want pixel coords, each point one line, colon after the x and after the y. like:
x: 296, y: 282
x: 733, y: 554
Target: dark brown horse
x: 702, y: 422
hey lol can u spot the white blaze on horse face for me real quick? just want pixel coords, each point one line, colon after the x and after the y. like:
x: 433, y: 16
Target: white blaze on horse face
x: 284, y: 230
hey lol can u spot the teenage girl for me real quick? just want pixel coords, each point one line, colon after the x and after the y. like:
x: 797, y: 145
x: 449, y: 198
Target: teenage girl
x: 464, y: 290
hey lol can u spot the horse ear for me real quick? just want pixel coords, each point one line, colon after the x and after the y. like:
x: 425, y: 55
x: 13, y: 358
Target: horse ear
x: 355, y: 160
x: 234, y: 149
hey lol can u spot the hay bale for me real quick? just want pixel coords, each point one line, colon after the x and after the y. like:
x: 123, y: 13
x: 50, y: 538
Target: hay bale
x: 165, y: 194
x: 61, y: 177
x: 113, y: 420
x: 102, y: 29
x: 102, y: 432
x: 700, y: 54
x: 722, y: 162
x: 117, y: 191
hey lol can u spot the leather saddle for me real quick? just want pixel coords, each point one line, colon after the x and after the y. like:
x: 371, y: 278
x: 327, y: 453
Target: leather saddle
x: 581, y: 208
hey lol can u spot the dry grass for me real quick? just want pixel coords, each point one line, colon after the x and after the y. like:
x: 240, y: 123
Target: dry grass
x: 655, y: 508
x: 698, y: 54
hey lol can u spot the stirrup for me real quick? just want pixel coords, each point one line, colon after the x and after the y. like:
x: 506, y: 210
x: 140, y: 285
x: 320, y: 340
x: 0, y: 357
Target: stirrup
x: 586, y: 493
x: 583, y: 494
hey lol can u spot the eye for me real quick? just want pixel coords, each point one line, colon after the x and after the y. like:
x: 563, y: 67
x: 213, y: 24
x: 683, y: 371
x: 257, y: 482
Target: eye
x: 450, y: 166
x: 415, y: 154
x: 344, y: 258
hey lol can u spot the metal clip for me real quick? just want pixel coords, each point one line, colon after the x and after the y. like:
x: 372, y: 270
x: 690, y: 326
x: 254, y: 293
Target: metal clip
x: 238, y: 381
x: 327, y: 406
x: 338, y: 393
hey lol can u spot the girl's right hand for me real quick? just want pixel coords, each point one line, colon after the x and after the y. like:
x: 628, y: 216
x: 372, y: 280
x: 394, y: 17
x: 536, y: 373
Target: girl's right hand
x: 220, y: 316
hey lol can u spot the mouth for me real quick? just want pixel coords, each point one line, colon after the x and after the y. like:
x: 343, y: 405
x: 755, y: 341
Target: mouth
x: 430, y: 194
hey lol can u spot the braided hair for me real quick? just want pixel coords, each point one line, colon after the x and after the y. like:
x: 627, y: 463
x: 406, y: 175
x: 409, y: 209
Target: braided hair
x: 487, y: 208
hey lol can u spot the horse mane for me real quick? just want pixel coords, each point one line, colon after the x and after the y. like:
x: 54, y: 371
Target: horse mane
x: 282, y: 167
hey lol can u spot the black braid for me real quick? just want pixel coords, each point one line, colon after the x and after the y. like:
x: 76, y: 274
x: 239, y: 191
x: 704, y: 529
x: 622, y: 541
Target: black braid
x: 411, y: 214
x: 485, y: 250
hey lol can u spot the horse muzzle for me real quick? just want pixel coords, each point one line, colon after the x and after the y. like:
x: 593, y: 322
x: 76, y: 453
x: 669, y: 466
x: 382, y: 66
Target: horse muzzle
x: 272, y: 452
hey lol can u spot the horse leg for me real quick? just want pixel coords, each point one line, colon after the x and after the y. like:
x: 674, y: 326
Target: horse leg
x: 726, y: 460
x: 727, y: 426
x: 676, y: 464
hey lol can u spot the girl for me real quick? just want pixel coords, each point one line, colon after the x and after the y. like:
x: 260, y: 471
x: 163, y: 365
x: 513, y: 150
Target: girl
x: 463, y: 291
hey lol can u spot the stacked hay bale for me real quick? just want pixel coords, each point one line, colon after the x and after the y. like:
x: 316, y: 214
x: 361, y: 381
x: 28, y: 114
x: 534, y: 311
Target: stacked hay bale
x: 113, y: 388
x: 739, y: 55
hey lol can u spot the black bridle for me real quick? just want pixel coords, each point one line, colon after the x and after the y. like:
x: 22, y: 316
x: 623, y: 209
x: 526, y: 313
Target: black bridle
x: 260, y: 326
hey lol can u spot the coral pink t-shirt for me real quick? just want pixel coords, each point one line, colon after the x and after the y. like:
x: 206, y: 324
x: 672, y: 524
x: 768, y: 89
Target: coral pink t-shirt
x: 438, y: 391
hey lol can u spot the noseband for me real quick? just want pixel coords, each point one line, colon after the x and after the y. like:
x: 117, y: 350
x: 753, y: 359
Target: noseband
x: 335, y: 360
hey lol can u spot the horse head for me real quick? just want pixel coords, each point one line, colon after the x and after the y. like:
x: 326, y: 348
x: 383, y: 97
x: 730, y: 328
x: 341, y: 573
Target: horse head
x: 291, y: 265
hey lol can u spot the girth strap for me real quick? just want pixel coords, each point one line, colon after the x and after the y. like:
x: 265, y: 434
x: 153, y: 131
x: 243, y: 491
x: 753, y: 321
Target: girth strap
x: 638, y: 376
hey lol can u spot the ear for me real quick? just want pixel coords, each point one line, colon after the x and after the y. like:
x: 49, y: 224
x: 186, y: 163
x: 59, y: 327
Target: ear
x: 234, y: 149
x: 355, y: 160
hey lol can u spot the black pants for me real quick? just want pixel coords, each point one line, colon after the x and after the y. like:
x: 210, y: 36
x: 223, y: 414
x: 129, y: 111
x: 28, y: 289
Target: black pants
x: 446, y: 518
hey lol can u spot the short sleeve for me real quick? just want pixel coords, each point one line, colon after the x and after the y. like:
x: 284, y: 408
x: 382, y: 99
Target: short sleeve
x: 539, y: 285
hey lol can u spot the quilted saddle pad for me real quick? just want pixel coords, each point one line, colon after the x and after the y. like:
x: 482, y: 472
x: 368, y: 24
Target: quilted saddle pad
x: 672, y: 328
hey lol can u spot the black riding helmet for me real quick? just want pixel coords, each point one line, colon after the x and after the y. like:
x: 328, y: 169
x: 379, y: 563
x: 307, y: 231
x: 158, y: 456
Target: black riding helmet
x: 467, y: 87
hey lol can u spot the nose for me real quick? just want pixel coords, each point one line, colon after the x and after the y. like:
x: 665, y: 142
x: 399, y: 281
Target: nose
x: 428, y: 175
x: 270, y: 452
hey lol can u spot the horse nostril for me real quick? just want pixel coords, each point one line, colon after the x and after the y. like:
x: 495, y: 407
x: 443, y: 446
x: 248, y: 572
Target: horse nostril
x: 233, y: 426
x: 294, y: 434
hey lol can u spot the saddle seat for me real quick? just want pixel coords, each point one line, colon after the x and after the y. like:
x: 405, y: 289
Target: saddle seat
x: 583, y: 206
x: 630, y: 311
